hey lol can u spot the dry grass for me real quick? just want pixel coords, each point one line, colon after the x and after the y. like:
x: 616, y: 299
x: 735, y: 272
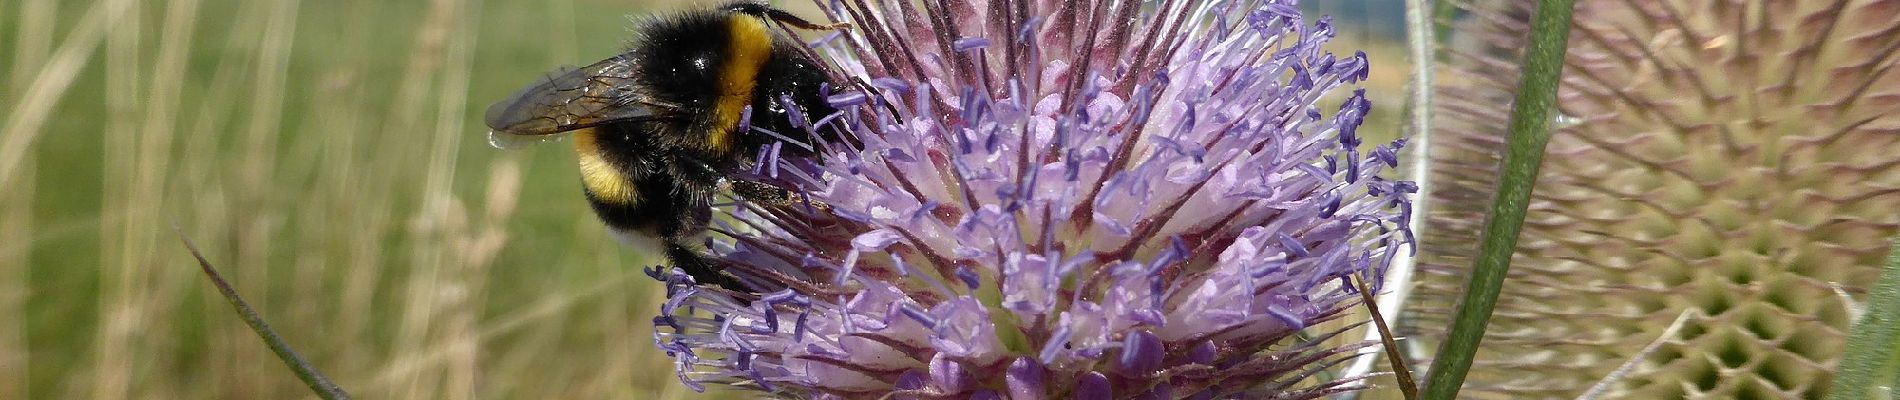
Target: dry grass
x: 329, y: 158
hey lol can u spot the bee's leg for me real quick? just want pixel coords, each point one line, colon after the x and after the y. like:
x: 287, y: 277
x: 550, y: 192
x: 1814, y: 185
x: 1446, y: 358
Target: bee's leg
x: 761, y: 192
x: 690, y: 206
x: 772, y: 195
x: 702, y: 270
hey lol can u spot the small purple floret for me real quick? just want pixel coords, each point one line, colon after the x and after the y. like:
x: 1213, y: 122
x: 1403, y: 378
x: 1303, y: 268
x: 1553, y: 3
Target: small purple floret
x: 1093, y: 386
x: 1141, y: 353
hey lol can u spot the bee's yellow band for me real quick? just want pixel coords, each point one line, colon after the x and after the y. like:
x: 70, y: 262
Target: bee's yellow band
x: 601, y: 178
x: 748, y: 50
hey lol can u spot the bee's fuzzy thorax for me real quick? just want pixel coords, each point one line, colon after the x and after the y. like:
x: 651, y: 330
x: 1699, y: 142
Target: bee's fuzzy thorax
x: 696, y: 75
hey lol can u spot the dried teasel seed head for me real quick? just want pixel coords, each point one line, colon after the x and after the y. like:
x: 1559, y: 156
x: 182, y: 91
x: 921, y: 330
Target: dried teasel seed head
x: 1731, y: 160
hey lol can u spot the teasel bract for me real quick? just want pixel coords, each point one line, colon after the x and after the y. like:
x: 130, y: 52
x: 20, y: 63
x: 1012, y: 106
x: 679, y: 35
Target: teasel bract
x: 1044, y: 199
x: 1734, y: 161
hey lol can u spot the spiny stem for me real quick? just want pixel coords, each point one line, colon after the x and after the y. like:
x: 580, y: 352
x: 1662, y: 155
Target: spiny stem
x: 1530, y: 132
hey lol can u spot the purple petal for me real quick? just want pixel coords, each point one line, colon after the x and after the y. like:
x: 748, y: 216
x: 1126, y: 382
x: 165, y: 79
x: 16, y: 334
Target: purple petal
x: 967, y: 44
x: 1141, y: 353
x: 948, y: 375
x: 1025, y: 379
x: 875, y: 240
x: 1093, y: 386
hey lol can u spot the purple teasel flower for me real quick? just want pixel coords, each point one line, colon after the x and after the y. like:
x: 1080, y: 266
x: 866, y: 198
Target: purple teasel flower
x: 1095, y: 201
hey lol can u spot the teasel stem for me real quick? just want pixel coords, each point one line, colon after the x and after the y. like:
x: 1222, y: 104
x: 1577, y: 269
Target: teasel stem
x: 1870, y: 368
x: 1530, y: 132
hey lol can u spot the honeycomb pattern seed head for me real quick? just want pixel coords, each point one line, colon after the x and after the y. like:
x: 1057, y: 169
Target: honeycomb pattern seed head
x: 1734, y: 160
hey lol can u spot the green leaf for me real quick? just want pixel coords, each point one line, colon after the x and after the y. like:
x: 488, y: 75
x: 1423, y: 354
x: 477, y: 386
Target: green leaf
x: 1873, y: 344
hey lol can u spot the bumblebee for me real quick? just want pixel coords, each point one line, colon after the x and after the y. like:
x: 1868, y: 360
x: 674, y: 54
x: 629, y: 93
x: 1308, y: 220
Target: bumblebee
x: 660, y: 128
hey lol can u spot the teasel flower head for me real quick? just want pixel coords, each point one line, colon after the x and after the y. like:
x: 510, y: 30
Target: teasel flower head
x: 1730, y: 162
x: 1027, y: 200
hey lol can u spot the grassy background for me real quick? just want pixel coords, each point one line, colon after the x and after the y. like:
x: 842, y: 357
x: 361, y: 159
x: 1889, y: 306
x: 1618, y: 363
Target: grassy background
x: 329, y: 158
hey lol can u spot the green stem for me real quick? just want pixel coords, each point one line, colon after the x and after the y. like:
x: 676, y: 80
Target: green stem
x: 318, y: 383
x: 1873, y: 345
x: 1530, y: 132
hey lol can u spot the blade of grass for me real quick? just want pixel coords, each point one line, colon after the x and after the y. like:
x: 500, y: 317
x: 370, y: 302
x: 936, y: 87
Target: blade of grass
x: 546, y: 311
x: 16, y: 225
x: 24, y: 121
x: 429, y: 317
x: 316, y: 380
x: 1407, y: 385
x: 151, y: 174
x: 1530, y: 132
x: 124, y: 287
x: 31, y: 42
x: 1872, y: 360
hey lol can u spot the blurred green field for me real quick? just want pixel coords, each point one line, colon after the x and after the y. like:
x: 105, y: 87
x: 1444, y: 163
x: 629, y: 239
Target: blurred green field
x: 329, y: 158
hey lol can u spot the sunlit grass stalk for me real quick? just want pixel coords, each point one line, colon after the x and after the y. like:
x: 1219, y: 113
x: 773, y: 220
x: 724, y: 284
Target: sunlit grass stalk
x: 136, y: 151
x: 124, y: 286
x: 469, y: 250
x: 32, y: 41
x: 24, y: 121
x: 16, y: 231
x: 1530, y: 131
x: 219, y: 210
x: 349, y: 186
x: 258, y: 229
x: 424, y: 299
x: 1870, y: 368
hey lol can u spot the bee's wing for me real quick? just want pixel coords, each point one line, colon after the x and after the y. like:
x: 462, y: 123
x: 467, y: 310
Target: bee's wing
x: 575, y: 99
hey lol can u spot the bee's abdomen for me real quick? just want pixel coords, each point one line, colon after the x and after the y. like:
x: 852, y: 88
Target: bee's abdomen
x: 666, y: 207
x: 603, y: 173
x: 625, y: 177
